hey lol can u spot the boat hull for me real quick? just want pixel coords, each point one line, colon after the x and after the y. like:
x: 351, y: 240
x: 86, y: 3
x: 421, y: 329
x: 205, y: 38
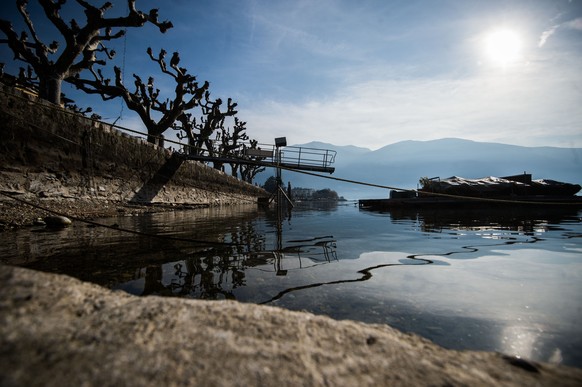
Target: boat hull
x: 447, y: 201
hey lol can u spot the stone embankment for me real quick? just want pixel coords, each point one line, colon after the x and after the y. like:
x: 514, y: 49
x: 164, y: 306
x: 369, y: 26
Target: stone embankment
x: 49, y: 156
x: 56, y: 330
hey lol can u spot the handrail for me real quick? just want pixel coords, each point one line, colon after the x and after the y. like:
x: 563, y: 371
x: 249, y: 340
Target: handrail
x: 290, y: 156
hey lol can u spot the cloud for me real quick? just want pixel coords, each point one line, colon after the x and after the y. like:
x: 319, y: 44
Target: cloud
x: 525, y: 109
x: 546, y: 35
x: 575, y: 24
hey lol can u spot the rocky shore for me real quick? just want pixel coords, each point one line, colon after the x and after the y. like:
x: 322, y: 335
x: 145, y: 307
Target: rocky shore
x: 56, y: 330
x: 15, y: 214
x: 84, y: 168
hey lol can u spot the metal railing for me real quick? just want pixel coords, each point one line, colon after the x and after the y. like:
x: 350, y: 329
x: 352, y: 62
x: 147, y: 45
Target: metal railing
x: 307, y: 157
x: 294, y: 157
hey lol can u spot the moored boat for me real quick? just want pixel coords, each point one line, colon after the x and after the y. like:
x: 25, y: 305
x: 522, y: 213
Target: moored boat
x: 459, y: 191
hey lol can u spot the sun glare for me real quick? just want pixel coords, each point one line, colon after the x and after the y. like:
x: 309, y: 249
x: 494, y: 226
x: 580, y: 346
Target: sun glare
x: 503, y: 47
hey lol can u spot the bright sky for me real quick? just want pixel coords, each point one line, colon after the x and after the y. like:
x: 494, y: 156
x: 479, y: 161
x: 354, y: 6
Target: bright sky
x: 372, y: 73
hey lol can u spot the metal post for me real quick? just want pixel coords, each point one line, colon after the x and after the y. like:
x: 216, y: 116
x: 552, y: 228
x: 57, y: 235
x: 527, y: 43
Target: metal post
x: 278, y: 176
x: 279, y: 142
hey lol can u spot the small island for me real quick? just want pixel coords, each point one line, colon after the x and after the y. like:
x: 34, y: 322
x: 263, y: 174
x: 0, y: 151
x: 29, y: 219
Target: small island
x: 300, y: 194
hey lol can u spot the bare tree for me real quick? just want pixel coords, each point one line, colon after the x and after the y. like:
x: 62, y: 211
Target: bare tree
x: 145, y: 98
x: 249, y: 171
x: 211, y: 121
x: 199, y: 131
x: 232, y: 143
x: 82, y: 44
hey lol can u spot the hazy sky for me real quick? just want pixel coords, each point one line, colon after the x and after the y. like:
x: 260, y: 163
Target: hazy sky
x: 371, y: 73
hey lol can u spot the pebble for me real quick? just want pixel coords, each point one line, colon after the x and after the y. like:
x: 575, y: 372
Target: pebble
x: 56, y: 221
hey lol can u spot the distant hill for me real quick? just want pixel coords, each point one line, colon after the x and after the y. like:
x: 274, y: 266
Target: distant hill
x: 402, y: 164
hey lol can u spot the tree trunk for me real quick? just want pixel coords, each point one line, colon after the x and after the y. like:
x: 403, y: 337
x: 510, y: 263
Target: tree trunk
x: 50, y: 89
x: 156, y: 139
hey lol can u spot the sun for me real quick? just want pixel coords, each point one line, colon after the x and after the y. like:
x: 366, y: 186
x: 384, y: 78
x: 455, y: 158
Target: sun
x: 503, y: 46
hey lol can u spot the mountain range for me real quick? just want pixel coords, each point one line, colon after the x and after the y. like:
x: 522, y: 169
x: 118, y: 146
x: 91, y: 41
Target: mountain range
x: 402, y: 164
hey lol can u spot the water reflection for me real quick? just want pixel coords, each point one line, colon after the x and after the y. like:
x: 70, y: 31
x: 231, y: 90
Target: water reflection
x: 506, y: 281
x: 523, y: 219
x: 109, y: 256
x: 361, y: 275
x: 216, y: 273
x: 519, y: 340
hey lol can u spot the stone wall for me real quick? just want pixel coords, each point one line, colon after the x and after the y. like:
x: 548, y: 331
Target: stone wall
x: 48, y: 152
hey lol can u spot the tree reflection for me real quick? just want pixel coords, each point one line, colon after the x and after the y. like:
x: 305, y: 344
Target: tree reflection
x: 212, y: 274
x: 215, y: 273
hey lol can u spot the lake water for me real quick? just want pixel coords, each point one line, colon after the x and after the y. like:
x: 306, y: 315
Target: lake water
x: 507, y: 281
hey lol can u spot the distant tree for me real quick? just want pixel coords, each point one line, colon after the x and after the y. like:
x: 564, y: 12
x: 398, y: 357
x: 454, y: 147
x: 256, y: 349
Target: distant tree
x: 270, y: 184
x: 325, y: 194
x: 82, y: 43
x: 145, y: 99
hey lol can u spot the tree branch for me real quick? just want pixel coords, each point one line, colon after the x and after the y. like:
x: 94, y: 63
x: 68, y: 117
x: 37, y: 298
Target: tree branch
x: 85, y: 42
x: 51, y: 10
x: 19, y: 45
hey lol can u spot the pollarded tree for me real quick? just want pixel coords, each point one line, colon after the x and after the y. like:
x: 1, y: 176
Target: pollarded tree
x: 156, y: 114
x: 211, y: 121
x: 249, y: 171
x: 232, y: 143
x: 199, y: 130
x: 82, y: 43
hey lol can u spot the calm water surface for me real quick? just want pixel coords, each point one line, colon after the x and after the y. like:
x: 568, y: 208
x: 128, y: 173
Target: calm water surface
x: 507, y: 281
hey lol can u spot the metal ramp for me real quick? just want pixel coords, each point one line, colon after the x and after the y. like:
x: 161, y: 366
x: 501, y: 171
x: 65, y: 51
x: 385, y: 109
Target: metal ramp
x: 279, y: 156
x: 308, y: 159
x: 294, y: 157
x: 287, y: 157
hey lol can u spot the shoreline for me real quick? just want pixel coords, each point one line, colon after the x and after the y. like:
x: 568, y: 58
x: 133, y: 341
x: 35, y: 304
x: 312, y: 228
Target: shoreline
x: 14, y: 213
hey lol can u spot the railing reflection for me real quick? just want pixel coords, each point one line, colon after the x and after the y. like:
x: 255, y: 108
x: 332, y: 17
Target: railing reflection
x: 302, y: 255
x: 217, y: 272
